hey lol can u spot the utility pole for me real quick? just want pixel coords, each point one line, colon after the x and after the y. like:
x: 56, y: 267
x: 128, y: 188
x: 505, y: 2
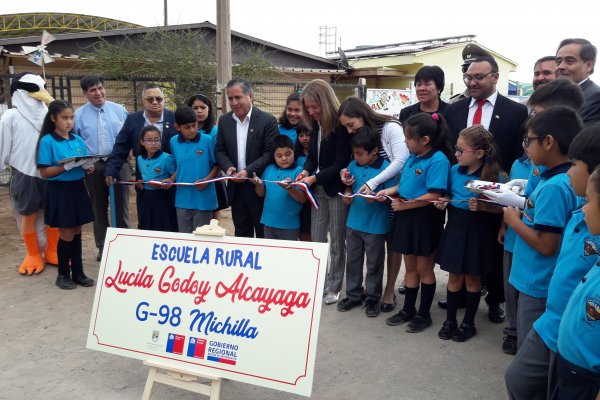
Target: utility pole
x: 166, y: 17
x: 223, y: 54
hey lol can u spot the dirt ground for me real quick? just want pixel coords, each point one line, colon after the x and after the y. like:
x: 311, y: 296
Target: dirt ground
x: 43, y: 332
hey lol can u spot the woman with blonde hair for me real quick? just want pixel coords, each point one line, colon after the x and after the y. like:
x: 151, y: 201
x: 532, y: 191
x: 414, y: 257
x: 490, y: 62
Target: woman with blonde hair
x: 328, y: 152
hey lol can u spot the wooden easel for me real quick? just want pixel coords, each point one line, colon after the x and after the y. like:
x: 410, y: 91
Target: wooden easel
x: 178, y: 377
x: 182, y: 379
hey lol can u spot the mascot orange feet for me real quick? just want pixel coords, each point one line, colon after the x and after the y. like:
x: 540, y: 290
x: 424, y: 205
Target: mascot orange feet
x: 33, y: 262
x: 51, y: 254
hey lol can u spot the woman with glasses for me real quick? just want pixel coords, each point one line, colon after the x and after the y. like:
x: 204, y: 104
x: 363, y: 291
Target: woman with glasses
x: 429, y: 85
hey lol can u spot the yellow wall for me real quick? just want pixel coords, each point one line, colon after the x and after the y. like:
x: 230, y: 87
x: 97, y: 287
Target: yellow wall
x: 448, y: 58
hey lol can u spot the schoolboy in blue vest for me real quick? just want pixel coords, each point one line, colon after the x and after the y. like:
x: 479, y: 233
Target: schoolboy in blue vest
x: 529, y: 376
x: 560, y: 92
x: 195, y: 160
x: 366, y: 226
x: 283, y: 202
x: 547, y: 211
x: 578, y: 364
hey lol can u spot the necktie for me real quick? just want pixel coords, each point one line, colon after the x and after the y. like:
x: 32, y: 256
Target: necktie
x: 102, y: 148
x: 479, y: 111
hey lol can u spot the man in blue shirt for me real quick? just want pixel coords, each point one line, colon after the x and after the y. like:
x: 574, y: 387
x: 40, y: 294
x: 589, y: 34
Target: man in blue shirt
x: 98, y: 122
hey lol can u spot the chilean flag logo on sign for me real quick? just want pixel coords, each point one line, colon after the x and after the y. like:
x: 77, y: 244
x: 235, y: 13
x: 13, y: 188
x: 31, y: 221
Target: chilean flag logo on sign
x: 196, y: 348
x: 175, y: 343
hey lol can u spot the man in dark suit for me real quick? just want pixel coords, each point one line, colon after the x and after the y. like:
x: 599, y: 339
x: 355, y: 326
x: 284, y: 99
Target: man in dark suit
x: 128, y: 139
x: 575, y: 60
x: 244, y: 148
x: 505, y: 119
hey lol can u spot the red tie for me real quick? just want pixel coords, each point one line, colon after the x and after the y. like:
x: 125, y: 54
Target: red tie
x: 479, y: 111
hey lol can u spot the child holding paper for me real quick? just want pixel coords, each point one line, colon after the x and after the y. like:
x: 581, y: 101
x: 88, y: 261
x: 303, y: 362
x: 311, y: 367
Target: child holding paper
x: 366, y: 226
x: 283, y: 201
x: 67, y: 205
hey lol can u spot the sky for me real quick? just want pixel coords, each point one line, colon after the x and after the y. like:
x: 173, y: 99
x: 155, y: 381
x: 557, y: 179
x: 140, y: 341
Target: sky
x: 522, y: 31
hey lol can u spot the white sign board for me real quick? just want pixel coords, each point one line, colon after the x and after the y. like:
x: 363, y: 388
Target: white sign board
x: 389, y: 101
x: 238, y: 308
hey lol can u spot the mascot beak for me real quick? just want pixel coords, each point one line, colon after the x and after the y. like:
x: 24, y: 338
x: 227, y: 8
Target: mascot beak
x: 43, y: 96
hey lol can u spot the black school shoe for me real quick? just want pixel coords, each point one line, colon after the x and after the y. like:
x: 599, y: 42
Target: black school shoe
x: 464, y: 332
x: 83, y: 280
x: 509, y: 345
x: 448, y: 330
x: 419, y: 324
x: 496, y: 313
x: 65, y: 282
x: 347, y: 304
x: 372, y: 308
x: 388, y: 307
x: 399, y: 318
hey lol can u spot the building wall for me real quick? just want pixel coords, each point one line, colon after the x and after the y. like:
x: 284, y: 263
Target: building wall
x: 449, y: 59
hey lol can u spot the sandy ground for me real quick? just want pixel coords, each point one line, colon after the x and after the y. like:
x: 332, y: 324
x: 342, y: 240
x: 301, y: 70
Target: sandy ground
x: 43, y: 332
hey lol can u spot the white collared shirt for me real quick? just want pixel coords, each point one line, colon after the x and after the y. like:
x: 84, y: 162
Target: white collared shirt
x: 158, y: 124
x: 486, y: 112
x: 242, y: 138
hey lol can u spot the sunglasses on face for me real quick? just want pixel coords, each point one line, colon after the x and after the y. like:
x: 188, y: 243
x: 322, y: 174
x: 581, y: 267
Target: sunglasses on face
x: 152, y: 99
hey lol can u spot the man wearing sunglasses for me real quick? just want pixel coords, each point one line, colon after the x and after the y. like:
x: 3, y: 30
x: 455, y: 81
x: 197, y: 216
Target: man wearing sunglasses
x: 154, y: 113
x: 505, y: 119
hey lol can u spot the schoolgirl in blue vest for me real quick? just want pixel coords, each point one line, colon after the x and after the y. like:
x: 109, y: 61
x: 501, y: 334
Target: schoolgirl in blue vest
x: 578, y: 364
x: 300, y: 153
x: 468, y: 248
x: 67, y: 205
x: 158, y: 213
x: 291, y: 117
x: 417, y: 225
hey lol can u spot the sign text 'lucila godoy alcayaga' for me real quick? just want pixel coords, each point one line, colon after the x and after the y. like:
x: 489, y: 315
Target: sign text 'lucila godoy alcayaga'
x: 242, y: 309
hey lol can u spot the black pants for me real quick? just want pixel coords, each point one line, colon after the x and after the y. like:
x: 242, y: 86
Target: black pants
x: 246, y: 210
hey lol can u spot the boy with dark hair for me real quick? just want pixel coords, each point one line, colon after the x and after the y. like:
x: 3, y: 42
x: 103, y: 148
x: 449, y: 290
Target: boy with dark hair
x: 366, y: 225
x: 194, y: 155
x: 578, y: 363
x: 559, y: 92
x: 546, y: 212
x: 283, y: 201
x: 529, y: 375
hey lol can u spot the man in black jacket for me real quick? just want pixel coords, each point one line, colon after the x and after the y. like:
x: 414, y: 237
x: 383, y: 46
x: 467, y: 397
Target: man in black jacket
x: 244, y: 148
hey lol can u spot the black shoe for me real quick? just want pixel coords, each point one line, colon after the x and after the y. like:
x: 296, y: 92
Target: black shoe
x: 388, y: 307
x: 419, y: 324
x: 448, y: 330
x: 496, y: 313
x: 399, y: 318
x: 443, y: 304
x: 402, y: 289
x: 83, y: 280
x: 464, y: 332
x: 372, y: 308
x: 347, y: 304
x: 99, y: 256
x: 65, y: 282
x: 483, y: 292
x: 509, y: 346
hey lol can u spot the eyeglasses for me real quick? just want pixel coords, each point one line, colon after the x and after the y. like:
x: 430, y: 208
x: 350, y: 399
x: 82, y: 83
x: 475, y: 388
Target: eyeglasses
x: 459, y: 151
x: 151, y: 141
x: 527, y: 140
x: 152, y: 99
x: 477, y: 78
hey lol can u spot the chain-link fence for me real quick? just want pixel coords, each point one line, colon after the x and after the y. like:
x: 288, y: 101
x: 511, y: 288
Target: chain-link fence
x: 268, y: 96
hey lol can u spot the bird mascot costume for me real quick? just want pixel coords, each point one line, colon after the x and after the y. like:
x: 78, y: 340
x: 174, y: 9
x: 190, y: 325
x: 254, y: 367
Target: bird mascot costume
x: 19, y: 133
